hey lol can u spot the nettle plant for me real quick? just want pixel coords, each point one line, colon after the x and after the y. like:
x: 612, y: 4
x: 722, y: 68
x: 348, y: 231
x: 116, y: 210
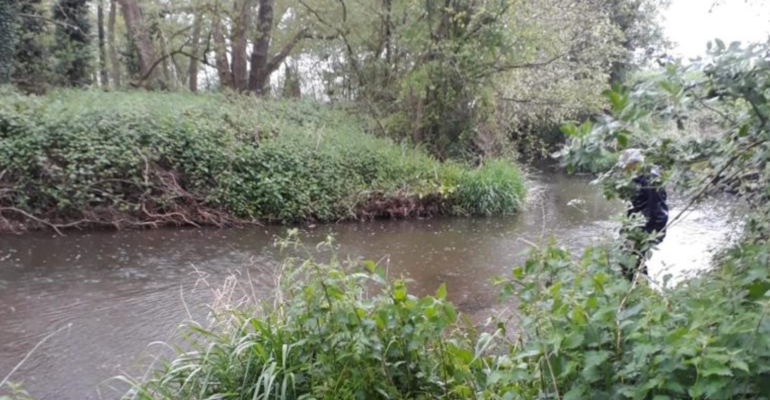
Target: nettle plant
x: 664, y: 116
x: 586, y: 331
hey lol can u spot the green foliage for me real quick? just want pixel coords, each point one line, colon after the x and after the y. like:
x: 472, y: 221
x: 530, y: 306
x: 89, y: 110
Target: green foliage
x: 340, y: 331
x: 587, y: 330
x: 7, y: 40
x: 494, y: 188
x: 17, y: 392
x: 74, y: 55
x: 641, y: 34
x: 31, y: 69
x: 465, y: 78
x: 727, y: 89
x: 706, y: 338
x: 85, y: 155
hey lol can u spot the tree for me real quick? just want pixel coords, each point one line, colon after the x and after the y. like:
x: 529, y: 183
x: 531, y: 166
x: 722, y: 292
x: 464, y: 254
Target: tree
x: 241, y: 27
x: 31, y: 62
x: 641, y: 35
x: 73, y: 41
x: 114, y: 60
x: 7, y: 40
x: 260, y: 61
x: 103, y: 75
x: 192, y: 71
x: 142, y: 42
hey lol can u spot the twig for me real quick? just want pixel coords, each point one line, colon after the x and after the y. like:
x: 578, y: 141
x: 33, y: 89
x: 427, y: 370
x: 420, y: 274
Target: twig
x: 623, y: 302
x: 53, y: 21
x: 713, y: 181
x: 550, y: 368
x: 32, y: 217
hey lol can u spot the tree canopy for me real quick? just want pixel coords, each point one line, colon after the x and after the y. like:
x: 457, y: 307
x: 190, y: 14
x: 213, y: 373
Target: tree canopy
x: 459, y: 76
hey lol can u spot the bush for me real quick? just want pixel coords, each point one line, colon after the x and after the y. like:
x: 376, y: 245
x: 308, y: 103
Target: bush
x: 589, y: 332
x: 339, y: 330
x: 494, y: 188
x: 149, y: 158
x: 328, y: 338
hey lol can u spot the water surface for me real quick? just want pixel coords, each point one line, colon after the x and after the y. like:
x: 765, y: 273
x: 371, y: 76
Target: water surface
x: 120, y: 291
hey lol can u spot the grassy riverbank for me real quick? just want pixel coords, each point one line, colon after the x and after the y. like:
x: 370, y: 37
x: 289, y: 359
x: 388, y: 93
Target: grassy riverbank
x: 78, y: 158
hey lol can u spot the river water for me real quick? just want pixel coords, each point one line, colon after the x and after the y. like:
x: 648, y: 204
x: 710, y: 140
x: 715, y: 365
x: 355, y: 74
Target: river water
x: 113, y: 293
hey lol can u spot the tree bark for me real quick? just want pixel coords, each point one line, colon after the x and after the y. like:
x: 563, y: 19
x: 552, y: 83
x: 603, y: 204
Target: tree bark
x: 168, y: 77
x: 220, y: 53
x: 240, y: 41
x: 259, y: 76
x: 192, y: 71
x: 114, y: 61
x: 7, y: 40
x: 622, y: 17
x: 135, y: 24
x: 103, y: 76
x: 417, y: 121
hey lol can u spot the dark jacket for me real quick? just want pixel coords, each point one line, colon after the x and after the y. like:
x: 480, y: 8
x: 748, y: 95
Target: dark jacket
x: 649, y: 200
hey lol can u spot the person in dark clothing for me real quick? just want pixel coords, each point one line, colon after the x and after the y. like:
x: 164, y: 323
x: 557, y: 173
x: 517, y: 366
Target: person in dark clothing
x: 649, y: 201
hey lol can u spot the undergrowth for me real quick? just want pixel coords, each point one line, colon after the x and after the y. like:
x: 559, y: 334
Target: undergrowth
x: 136, y: 159
x: 341, y: 330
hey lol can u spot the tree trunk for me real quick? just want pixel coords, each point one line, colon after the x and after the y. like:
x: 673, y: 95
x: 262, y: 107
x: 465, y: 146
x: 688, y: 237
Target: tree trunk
x: 259, y: 57
x: 114, y: 61
x: 31, y: 64
x: 292, y: 87
x: 168, y: 77
x: 240, y: 41
x: 622, y: 17
x: 7, y: 40
x: 220, y: 53
x: 102, y: 45
x: 135, y: 24
x: 73, y: 42
x: 192, y: 71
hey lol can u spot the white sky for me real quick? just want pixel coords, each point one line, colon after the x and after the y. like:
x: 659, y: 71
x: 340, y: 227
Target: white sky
x: 691, y: 24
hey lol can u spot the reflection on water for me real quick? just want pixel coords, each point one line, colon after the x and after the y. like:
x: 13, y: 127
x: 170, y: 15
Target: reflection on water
x: 121, y: 291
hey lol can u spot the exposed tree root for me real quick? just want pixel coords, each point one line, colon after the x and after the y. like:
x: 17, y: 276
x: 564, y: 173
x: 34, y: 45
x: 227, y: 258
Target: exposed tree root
x: 159, y: 198
x: 401, y: 206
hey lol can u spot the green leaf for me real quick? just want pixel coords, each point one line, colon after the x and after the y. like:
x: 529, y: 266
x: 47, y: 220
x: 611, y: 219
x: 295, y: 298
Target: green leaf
x: 717, y: 370
x: 574, y: 340
x: 594, y: 359
x: 441, y: 292
x: 741, y: 365
x: 622, y: 140
x: 576, y: 393
x: 399, y: 291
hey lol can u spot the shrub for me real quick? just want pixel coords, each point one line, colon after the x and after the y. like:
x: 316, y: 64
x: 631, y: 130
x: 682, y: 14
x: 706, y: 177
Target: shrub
x: 339, y: 330
x: 149, y: 158
x: 588, y: 332
x: 494, y: 188
x: 328, y: 338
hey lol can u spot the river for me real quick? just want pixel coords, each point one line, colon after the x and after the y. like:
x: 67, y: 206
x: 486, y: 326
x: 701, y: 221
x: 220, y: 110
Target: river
x: 113, y: 293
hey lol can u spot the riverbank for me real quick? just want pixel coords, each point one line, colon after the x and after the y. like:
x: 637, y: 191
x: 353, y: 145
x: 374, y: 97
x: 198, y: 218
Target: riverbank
x: 133, y: 160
